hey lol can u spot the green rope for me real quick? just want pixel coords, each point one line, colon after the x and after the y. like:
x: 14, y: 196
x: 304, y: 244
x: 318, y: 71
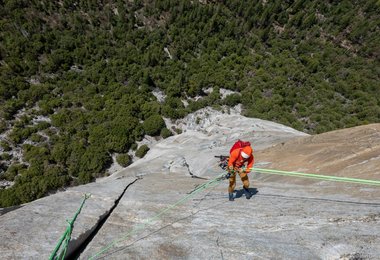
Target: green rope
x: 63, y: 243
x: 318, y: 176
x: 141, y: 226
x: 215, y: 182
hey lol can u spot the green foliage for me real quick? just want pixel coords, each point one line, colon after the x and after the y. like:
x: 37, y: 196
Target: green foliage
x: 177, y: 130
x: 165, y: 133
x: 13, y: 171
x: 312, y: 65
x: 18, y: 135
x: 142, y: 150
x: 3, y: 126
x: 6, y: 147
x: 153, y: 125
x: 5, y: 156
x: 134, y: 147
x: 36, y: 138
x: 232, y: 100
x: 124, y: 159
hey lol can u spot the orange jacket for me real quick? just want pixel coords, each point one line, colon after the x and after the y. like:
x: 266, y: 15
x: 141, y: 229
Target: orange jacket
x: 237, y: 161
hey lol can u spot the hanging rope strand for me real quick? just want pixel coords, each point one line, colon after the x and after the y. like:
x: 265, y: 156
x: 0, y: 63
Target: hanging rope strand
x: 60, y: 250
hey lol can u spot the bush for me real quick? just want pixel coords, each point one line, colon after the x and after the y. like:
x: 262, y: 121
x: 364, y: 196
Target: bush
x: 13, y: 171
x: 165, y: 133
x: 153, y: 125
x: 42, y: 126
x: 3, y: 126
x: 141, y: 152
x: 232, y: 99
x: 177, y: 130
x: 6, y: 147
x: 124, y: 159
x: 8, y: 198
x: 134, y: 146
x: 84, y: 178
x: 5, y: 156
x: 37, y: 138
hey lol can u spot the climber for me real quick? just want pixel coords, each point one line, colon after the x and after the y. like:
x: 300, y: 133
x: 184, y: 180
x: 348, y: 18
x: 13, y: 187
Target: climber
x: 241, y: 153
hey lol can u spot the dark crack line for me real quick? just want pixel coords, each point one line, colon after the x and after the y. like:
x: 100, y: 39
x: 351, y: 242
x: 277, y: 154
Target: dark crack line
x: 77, y: 246
x: 221, y: 251
x: 197, y: 177
x: 192, y: 174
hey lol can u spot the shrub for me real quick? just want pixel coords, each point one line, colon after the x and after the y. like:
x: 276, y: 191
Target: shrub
x: 84, y: 178
x: 153, y: 125
x: 3, y: 126
x: 232, y: 99
x: 42, y: 126
x: 177, y: 130
x: 165, y: 133
x: 13, y: 171
x: 141, y: 152
x: 6, y: 147
x: 124, y: 159
x: 36, y: 138
x: 134, y: 146
x: 5, y: 156
x: 8, y: 198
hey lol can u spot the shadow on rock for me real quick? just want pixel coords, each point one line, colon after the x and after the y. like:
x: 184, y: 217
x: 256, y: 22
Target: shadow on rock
x: 240, y: 193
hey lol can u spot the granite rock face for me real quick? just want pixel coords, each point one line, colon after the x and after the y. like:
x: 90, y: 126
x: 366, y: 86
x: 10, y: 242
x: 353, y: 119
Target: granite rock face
x: 155, y: 209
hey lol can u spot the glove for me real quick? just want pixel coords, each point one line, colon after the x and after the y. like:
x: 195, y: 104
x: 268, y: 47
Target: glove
x: 228, y: 175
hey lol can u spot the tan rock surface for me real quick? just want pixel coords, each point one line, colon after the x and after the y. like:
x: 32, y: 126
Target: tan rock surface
x: 352, y: 152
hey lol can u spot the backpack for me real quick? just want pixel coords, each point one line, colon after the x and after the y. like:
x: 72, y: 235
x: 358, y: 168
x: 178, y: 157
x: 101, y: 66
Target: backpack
x: 239, y: 144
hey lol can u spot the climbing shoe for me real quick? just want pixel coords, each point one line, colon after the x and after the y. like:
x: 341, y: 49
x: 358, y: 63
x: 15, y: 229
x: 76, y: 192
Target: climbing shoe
x: 231, y: 196
x: 247, y: 193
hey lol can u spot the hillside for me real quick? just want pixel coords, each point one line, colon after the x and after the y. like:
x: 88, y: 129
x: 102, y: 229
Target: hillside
x: 285, y: 219
x: 79, y: 80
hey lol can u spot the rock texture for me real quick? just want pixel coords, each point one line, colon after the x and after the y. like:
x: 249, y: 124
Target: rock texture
x: 284, y: 219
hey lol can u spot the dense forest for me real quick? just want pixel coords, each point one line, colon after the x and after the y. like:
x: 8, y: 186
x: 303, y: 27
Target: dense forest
x: 77, y: 77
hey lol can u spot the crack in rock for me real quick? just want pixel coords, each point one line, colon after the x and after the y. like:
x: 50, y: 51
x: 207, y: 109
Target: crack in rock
x: 221, y: 252
x: 77, y: 246
x: 180, y: 164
